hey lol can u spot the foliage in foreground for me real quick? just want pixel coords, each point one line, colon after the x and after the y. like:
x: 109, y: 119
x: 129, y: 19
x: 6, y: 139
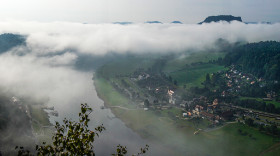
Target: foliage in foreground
x: 74, y: 138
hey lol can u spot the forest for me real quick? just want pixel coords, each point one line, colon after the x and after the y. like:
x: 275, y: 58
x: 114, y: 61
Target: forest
x: 260, y: 59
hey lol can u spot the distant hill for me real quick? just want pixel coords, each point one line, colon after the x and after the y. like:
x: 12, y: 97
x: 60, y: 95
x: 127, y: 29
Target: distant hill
x: 9, y: 41
x: 123, y: 23
x: 218, y: 18
x: 153, y: 22
x: 177, y: 22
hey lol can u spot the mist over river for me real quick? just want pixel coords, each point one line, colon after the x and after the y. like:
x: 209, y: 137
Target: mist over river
x: 116, y: 131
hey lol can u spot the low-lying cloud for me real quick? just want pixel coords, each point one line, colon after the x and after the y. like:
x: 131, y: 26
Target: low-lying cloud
x: 100, y: 39
x: 36, y: 77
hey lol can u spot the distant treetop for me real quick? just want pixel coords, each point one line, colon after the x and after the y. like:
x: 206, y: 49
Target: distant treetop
x: 177, y: 22
x: 153, y: 22
x: 123, y: 23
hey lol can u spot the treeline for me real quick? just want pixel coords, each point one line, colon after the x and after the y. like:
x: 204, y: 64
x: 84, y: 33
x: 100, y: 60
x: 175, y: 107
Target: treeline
x: 257, y: 105
x: 268, y: 129
x: 260, y: 59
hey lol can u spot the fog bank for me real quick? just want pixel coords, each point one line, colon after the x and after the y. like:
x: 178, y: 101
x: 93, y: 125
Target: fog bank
x: 135, y: 38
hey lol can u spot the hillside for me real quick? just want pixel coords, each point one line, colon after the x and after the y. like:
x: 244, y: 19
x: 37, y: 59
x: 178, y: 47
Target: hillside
x: 8, y: 41
x: 260, y: 59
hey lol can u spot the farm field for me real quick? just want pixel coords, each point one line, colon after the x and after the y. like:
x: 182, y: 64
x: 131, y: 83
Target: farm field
x: 194, y: 76
x: 188, y: 59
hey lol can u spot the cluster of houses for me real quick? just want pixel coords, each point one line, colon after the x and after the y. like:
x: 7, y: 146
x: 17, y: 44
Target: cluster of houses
x: 24, y: 108
x: 141, y: 76
x: 236, y: 79
x: 270, y: 96
x: 200, y: 107
x: 162, y: 96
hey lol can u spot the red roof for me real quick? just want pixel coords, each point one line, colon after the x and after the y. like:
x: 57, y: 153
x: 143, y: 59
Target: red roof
x: 207, y: 114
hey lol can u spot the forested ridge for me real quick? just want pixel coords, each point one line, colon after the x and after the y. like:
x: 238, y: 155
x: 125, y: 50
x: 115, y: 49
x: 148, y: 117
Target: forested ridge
x: 260, y: 59
x: 218, y: 18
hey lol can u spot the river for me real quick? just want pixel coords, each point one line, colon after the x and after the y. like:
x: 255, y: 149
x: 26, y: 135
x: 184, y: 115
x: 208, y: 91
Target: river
x: 68, y: 106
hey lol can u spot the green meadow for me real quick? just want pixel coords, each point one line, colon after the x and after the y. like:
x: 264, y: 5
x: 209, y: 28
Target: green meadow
x: 189, y: 58
x: 194, y: 76
x: 182, y: 70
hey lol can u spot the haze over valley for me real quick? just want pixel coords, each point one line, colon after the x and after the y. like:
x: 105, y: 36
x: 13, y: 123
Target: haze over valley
x: 181, y: 88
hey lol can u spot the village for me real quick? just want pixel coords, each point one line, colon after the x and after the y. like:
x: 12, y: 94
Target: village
x: 156, y: 92
x: 205, y: 97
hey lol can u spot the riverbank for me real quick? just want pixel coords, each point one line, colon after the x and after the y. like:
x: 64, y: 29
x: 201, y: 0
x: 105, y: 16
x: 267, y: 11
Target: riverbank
x: 42, y: 128
x: 138, y: 120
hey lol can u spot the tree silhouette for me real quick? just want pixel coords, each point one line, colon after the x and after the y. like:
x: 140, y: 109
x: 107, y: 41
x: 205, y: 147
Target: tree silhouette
x: 74, y: 138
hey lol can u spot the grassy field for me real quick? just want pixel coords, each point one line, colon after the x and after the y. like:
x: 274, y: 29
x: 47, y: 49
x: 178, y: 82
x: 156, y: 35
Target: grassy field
x: 189, y: 76
x: 179, y: 63
x: 194, y: 76
x: 276, y: 104
x: 180, y: 69
x: 107, y: 92
x: 250, y: 142
x: 177, y: 135
x: 125, y: 66
x: 273, y: 150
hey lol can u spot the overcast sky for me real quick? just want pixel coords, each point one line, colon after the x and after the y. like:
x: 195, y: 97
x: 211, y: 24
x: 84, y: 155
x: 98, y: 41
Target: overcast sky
x: 100, y: 11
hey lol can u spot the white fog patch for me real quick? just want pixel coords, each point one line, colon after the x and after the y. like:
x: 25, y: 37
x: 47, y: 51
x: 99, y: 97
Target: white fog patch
x: 139, y: 38
x: 32, y: 77
x: 65, y: 59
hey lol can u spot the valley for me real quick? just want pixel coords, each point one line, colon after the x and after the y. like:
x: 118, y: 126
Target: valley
x: 170, y: 100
